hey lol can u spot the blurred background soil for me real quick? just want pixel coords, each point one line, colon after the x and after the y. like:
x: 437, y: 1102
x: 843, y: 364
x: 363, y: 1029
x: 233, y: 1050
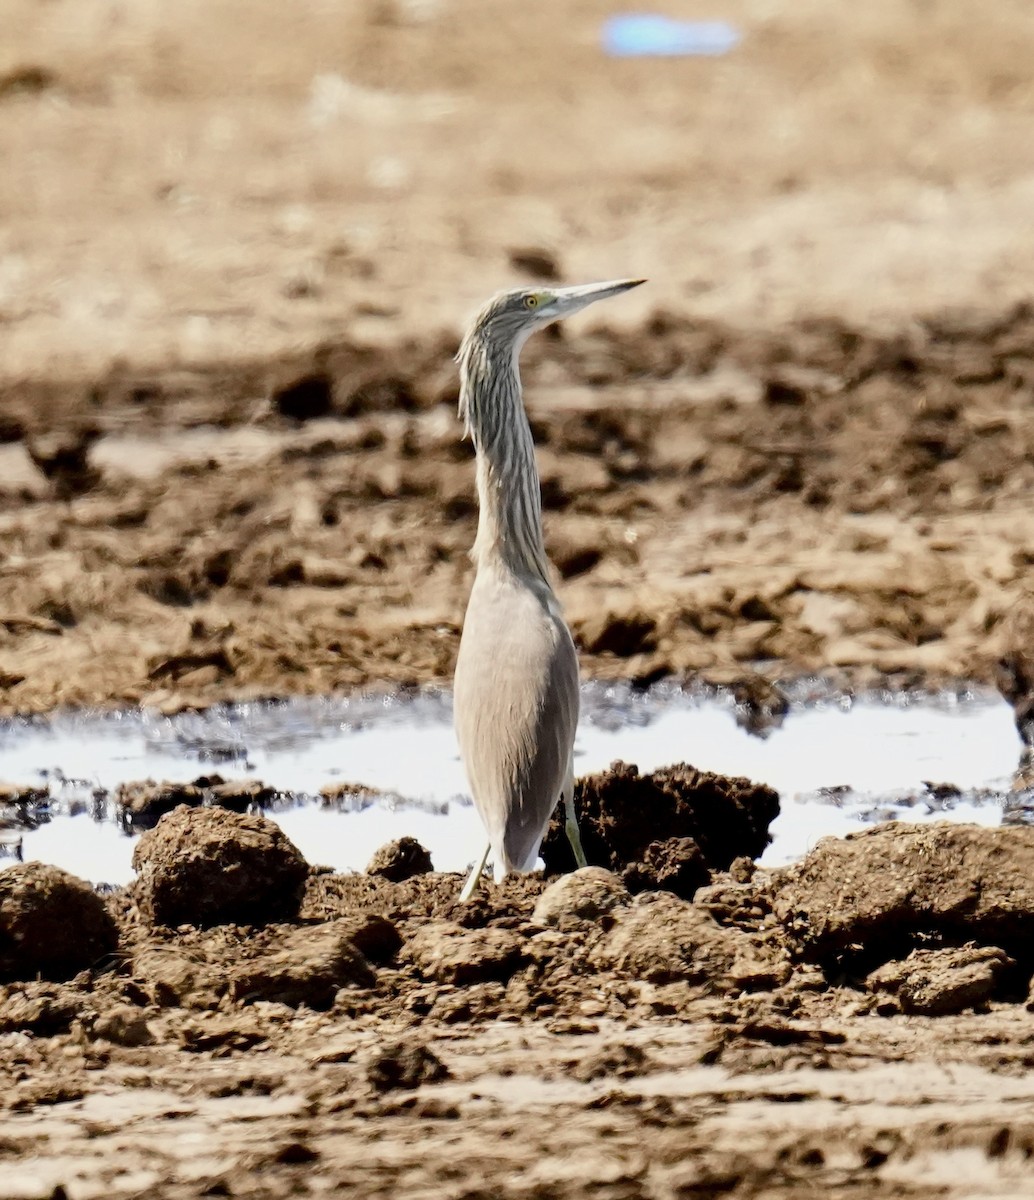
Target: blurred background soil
x: 238, y: 243
x: 237, y: 247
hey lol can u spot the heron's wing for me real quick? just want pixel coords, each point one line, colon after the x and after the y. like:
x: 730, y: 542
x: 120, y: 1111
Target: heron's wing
x: 516, y: 711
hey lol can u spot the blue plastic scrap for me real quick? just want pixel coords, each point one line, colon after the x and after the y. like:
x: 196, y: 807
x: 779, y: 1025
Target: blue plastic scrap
x: 637, y: 35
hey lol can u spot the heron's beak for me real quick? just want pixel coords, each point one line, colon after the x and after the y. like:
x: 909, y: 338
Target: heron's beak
x: 573, y: 299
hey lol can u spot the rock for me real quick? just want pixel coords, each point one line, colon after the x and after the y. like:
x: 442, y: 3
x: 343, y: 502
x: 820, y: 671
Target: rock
x: 125, y: 1026
x: 305, y: 398
x: 143, y: 802
x: 760, y: 705
x: 675, y: 865
x: 399, y: 860
x: 661, y: 939
x: 22, y: 796
x: 451, y: 954
x: 52, y: 925
x: 622, y: 813
x: 210, y: 866
x: 535, y: 261
x: 37, y: 1008
x: 405, y: 1065
x: 307, y: 967
x: 573, y: 559
x: 584, y: 897
x: 614, y: 1062
x: 293, y: 965
x: 621, y: 634
x: 241, y: 794
x: 870, y: 896
x: 935, y: 983
x: 375, y: 937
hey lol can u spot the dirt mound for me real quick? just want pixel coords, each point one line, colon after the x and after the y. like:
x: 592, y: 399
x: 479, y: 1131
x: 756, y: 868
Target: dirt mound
x: 667, y: 829
x: 208, y: 866
x: 874, y: 896
x: 51, y: 924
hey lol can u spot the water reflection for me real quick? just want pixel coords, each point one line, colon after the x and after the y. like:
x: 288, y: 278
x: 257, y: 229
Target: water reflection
x: 837, y: 762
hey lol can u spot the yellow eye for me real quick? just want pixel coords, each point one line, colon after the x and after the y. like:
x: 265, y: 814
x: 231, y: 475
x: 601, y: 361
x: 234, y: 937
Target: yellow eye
x: 531, y: 301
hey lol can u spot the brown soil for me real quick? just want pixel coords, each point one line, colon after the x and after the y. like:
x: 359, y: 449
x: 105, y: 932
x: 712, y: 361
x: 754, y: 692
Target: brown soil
x: 238, y: 243
x: 563, y: 1040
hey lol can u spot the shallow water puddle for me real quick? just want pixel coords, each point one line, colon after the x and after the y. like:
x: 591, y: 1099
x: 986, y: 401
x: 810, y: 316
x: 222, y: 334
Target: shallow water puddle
x: 837, y: 763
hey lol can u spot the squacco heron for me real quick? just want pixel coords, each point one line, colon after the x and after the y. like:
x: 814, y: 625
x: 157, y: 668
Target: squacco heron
x: 516, y: 690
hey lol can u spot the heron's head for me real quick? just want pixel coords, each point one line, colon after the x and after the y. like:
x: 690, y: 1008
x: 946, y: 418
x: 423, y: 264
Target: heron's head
x: 506, y: 322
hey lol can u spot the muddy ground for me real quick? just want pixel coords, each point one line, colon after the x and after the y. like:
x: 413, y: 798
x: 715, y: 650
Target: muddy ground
x: 237, y: 244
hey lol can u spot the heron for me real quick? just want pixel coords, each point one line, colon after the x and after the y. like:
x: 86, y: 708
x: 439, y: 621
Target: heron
x: 516, y: 686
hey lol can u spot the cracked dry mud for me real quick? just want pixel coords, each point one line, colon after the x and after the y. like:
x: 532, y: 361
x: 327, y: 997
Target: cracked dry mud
x: 237, y: 247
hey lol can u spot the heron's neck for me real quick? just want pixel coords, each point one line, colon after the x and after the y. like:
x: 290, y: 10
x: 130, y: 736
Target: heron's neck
x: 510, y: 517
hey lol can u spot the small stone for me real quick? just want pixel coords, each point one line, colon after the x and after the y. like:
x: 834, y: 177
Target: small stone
x: 125, y: 1026
x: 451, y: 954
x: 674, y: 865
x: 402, y: 1065
x: 399, y: 860
x: 584, y: 897
x: 621, y: 634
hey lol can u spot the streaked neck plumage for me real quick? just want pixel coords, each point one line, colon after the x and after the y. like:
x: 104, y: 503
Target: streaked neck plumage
x: 491, y: 404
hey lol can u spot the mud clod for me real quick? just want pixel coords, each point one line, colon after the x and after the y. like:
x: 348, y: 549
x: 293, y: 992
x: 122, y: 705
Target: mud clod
x: 623, y: 814
x: 399, y: 860
x: 52, y: 925
x: 210, y: 866
x: 935, y: 983
x: 873, y: 896
x: 241, y: 794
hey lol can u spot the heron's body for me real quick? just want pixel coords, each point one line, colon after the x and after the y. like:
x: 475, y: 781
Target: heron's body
x: 517, y: 717
x: 516, y: 689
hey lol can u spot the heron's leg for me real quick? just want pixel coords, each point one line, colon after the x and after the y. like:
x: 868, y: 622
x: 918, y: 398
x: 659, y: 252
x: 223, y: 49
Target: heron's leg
x: 571, y: 827
x: 475, y: 875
